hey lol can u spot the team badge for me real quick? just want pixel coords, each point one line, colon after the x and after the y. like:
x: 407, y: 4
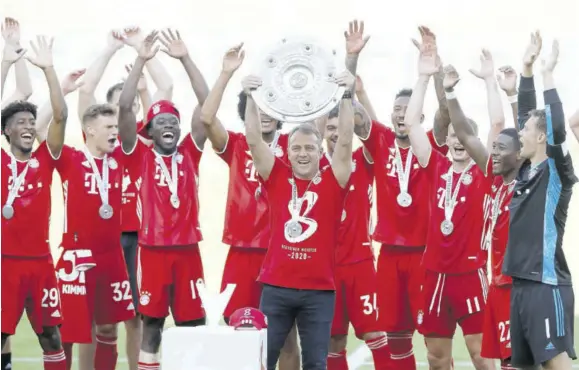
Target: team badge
x: 317, y: 179
x: 278, y: 151
x: 33, y: 163
x: 420, y: 317
x: 467, y: 179
x: 113, y: 165
x: 145, y: 298
x: 179, y: 158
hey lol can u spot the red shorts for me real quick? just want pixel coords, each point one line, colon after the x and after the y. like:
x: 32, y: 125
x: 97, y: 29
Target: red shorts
x: 355, y: 299
x: 496, y: 342
x: 168, y: 277
x: 101, y: 294
x: 242, y: 268
x: 453, y: 299
x: 29, y: 284
x: 399, y: 294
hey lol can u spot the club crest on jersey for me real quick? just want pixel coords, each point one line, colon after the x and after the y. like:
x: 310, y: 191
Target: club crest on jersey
x: 317, y: 179
x: 467, y: 179
x: 278, y: 151
x: 179, y: 158
x: 420, y: 317
x: 145, y: 298
x: 353, y: 166
x: 113, y: 165
x: 33, y: 163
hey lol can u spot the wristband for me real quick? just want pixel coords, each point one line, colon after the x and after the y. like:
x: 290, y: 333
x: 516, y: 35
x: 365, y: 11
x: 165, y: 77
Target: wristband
x: 450, y: 95
x: 347, y: 95
x: 513, y: 99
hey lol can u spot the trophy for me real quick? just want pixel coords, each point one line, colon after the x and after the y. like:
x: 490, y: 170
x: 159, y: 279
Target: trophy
x: 298, y: 81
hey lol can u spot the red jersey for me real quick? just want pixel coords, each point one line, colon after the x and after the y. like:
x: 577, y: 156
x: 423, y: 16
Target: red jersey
x: 301, y: 253
x: 397, y: 225
x: 162, y: 223
x: 496, y: 226
x: 461, y: 251
x: 129, y: 218
x: 26, y: 233
x: 354, y: 242
x: 84, y: 228
x: 246, y: 212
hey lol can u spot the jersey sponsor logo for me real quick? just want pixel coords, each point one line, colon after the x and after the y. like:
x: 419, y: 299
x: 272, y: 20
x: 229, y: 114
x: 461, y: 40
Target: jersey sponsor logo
x: 24, y: 186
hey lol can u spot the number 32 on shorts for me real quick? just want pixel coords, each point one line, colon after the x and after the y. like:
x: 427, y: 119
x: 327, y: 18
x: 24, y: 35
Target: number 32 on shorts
x: 121, y: 291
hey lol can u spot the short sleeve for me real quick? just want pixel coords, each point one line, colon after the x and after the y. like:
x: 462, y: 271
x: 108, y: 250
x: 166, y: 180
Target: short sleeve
x: 377, y: 132
x: 43, y: 154
x: 436, y: 161
x: 442, y: 148
x: 189, y: 146
x: 65, y: 162
x: 228, y: 150
x: 279, y: 171
x: 132, y: 160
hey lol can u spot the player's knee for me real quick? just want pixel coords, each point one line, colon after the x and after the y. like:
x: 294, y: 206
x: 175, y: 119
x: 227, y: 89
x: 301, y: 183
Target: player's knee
x: 49, y: 339
x: 152, y: 330
x: 438, y: 360
x: 338, y: 343
x: 133, y: 324
x: 107, y: 330
x: 4, y: 341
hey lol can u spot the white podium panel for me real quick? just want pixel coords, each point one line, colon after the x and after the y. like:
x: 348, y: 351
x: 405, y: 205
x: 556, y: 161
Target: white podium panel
x: 213, y: 348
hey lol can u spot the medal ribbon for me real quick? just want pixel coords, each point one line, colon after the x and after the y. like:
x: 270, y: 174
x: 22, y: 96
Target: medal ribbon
x: 497, y: 201
x: 273, y: 144
x: 102, y: 181
x: 17, y: 179
x: 403, y: 173
x: 295, y: 209
x: 450, y: 200
x: 173, y: 178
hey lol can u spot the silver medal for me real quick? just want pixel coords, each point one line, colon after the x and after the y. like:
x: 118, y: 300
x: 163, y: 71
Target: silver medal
x: 106, y: 211
x: 8, y: 212
x: 404, y: 199
x: 175, y: 202
x: 446, y: 227
x: 293, y: 229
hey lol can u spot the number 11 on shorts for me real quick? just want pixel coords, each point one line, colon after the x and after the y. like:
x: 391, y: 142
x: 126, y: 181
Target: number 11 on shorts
x: 193, y: 285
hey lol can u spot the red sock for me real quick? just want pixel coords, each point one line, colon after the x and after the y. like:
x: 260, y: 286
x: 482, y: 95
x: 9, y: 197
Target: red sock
x: 401, y: 351
x: 54, y: 360
x: 337, y: 361
x: 106, y: 354
x: 380, y: 353
x: 67, y: 347
x: 506, y: 365
x: 147, y: 366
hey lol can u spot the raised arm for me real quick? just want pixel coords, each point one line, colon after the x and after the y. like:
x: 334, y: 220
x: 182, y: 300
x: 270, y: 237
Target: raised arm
x: 176, y: 48
x: 142, y: 91
x: 127, y: 118
x: 574, y: 124
x: 494, y: 103
x: 428, y: 65
x: 364, y: 99
x: 527, y: 97
x: 133, y: 36
x: 556, y: 133
x: 12, y: 55
x: 94, y: 73
x: 342, y: 157
x: 213, y: 127
x: 43, y: 60
x: 507, y: 78
x: 68, y: 85
x: 464, y: 131
x: 442, y: 116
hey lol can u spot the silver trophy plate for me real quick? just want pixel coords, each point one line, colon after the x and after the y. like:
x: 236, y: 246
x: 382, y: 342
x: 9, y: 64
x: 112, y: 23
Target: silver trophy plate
x: 298, y: 81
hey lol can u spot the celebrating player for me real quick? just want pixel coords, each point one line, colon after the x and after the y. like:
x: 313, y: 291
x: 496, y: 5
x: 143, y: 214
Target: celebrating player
x: 455, y: 286
x: 542, y: 298
x: 501, y: 160
x: 28, y: 279
x: 168, y: 178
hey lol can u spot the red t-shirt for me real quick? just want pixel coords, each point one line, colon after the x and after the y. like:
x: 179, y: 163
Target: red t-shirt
x: 26, y: 233
x: 129, y: 217
x: 246, y: 212
x: 462, y: 251
x: 397, y: 225
x: 84, y: 228
x: 354, y: 242
x: 306, y: 259
x: 496, y: 238
x: 161, y: 223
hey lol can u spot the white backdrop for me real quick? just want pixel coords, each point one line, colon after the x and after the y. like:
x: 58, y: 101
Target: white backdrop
x: 387, y: 64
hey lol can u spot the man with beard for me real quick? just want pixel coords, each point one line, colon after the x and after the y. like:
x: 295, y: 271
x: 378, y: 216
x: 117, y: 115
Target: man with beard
x: 542, y: 298
x: 400, y: 183
x: 246, y: 226
x: 501, y: 162
x: 28, y: 279
x: 455, y: 285
x: 168, y: 179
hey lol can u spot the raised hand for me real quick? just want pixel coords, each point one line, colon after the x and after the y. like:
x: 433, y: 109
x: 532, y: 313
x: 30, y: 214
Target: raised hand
x: 174, y: 45
x: 147, y: 49
x: 250, y: 83
x: 133, y: 37
x: 487, y: 66
x: 43, y: 52
x: 71, y: 82
x: 11, y: 35
x: 428, y: 61
x: 507, y: 78
x: 355, y: 39
x: 142, y: 85
x: 549, y: 64
x: 346, y: 79
x: 451, y: 78
x: 115, y: 40
x: 233, y: 58
x: 533, y: 49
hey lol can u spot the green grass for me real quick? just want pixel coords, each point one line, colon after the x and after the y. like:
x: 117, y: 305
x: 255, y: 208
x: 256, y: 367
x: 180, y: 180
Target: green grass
x: 27, y: 355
